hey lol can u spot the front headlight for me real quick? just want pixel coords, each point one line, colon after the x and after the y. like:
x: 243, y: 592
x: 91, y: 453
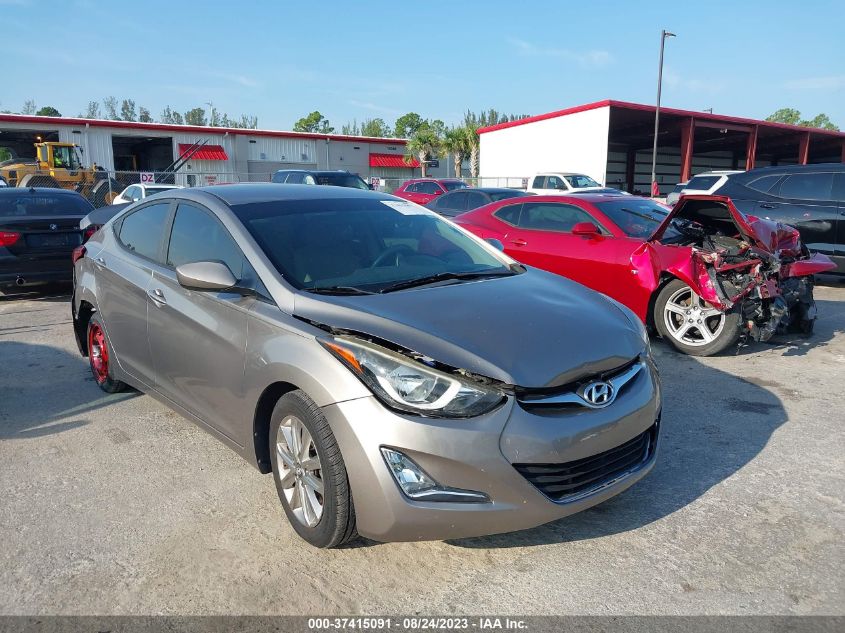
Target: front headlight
x: 407, y: 385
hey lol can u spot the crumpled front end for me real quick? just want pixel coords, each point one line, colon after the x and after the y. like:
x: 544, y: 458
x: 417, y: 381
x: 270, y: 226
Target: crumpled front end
x: 736, y: 262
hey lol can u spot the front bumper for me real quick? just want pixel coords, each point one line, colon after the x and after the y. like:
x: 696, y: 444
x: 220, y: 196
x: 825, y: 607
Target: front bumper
x: 479, y: 454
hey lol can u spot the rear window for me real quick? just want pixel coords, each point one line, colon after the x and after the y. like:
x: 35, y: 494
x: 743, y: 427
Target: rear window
x: 341, y: 180
x: 637, y: 217
x: 702, y: 183
x: 25, y: 204
x: 808, y: 186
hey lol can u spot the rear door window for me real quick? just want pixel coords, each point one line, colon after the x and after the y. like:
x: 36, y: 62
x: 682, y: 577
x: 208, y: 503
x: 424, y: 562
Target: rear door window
x: 549, y: 216
x: 509, y: 214
x: 808, y: 186
x: 456, y: 201
x: 141, y: 231
x: 295, y: 178
x: 474, y: 199
x: 428, y: 187
x: 553, y: 182
x: 539, y: 182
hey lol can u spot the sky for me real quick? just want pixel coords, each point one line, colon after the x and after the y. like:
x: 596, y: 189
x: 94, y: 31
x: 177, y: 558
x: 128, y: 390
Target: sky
x: 355, y: 60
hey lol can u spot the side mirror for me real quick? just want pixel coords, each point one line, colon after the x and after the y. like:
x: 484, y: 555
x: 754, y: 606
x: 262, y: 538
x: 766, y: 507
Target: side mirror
x: 586, y: 229
x: 497, y: 244
x: 205, y: 276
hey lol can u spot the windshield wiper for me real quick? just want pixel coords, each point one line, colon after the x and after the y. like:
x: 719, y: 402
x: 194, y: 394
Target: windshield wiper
x: 338, y: 290
x: 445, y: 276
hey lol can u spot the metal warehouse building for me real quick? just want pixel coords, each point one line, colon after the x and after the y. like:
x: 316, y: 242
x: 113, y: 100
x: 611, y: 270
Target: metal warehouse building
x: 229, y: 154
x: 611, y: 141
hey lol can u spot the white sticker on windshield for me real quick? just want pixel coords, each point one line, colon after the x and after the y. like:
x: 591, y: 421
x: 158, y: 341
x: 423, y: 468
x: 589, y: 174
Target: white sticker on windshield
x: 406, y: 207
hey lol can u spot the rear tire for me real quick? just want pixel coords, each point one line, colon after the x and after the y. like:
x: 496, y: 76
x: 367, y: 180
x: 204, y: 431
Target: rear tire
x: 39, y: 180
x: 309, y: 472
x: 100, y: 356
x: 692, y: 325
x: 104, y: 192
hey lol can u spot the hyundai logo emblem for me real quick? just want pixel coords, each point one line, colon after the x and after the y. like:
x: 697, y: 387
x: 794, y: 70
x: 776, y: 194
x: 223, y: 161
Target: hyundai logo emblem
x: 54, y: 227
x: 598, y: 394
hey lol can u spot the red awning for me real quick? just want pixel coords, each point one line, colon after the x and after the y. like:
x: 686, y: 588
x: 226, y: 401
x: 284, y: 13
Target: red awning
x: 206, y: 152
x: 391, y: 160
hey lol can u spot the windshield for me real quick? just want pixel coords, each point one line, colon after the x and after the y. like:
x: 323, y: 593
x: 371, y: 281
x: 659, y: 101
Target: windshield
x: 637, y: 217
x: 365, y: 245
x: 65, y: 158
x: 42, y: 205
x: 577, y: 181
x: 451, y: 185
x: 341, y: 180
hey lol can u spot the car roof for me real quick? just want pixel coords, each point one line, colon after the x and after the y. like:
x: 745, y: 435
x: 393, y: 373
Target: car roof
x: 791, y: 169
x: 559, y: 173
x: 314, y: 171
x: 718, y: 172
x: 484, y: 190
x: 38, y: 190
x: 585, y: 197
x: 251, y: 193
x: 156, y: 184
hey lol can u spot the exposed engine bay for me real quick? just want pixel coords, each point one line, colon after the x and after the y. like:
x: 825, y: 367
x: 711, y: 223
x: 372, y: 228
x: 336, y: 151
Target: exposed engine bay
x: 755, y: 267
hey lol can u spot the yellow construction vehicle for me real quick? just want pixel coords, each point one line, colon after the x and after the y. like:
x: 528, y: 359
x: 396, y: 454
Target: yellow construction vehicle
x: 59, y: 165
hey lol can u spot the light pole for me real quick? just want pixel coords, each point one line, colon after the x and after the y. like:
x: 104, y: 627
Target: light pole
x: 655, y: 190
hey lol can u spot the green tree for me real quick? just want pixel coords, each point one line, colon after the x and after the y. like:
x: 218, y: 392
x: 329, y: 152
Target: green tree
x: 473, y: 147
x: 110, y: 106
x: 350, y: 129
x: 92, y: 111
x: 407, y: 125
x: 250, y: 122
x: 423, y: 145
x: 127, y: 110
x: 29, y: 107
x: 314, y: 122
x: 170, y: 116
x: 195, y: 116
x: 822, y: 122
x: 48, y: 111
x: 376, y: 127
x: 455, y: 145
x: 792, y: 116
x: 144, y: 115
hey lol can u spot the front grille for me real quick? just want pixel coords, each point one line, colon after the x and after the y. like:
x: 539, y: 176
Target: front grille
x: 573, y: 480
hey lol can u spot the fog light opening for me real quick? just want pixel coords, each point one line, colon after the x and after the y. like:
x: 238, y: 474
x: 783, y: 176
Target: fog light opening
x: 418, y: 485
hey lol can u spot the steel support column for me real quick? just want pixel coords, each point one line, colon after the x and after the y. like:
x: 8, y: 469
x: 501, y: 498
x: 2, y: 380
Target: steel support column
x: 804, y: 148
x: 631, y: 165
x: 751, y: 148
x: 687, y: 144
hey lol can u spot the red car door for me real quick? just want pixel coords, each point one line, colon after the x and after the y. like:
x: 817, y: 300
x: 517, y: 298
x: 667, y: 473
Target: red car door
x: 544, y: 238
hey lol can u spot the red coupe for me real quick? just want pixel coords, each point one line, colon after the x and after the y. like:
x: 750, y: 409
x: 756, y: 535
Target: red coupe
x: 424, y: 190
x: 703, y: 274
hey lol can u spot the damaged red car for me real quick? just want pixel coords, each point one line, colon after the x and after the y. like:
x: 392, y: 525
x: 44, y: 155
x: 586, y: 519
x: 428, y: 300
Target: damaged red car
x: 702, y: 275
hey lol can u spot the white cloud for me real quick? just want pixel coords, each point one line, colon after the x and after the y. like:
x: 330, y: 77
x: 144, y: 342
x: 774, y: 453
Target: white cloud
x: 592, y: 58
x: 696, y: 85
x: 832, y: 82
x: 367, y: 105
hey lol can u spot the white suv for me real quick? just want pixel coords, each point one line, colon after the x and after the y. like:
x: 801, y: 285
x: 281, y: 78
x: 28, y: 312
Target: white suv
x: 704, y: 183
x: 556, y: 182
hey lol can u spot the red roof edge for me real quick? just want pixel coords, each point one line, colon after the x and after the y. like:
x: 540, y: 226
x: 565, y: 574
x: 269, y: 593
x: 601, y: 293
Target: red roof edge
x: 199, y: 129
x: 704, y: 116
x: 543, y: 117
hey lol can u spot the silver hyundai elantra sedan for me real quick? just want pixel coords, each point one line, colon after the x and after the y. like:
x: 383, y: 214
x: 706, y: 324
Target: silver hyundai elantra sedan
x: 401, y: 378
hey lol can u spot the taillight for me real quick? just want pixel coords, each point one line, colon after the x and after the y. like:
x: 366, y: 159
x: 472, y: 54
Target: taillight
x: 78, y: 253
x: 89, y: 232
x: 7, y: 238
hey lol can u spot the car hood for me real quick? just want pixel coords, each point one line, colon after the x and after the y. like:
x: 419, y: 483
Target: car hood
x: 532, y: 330
x: 764, y: 234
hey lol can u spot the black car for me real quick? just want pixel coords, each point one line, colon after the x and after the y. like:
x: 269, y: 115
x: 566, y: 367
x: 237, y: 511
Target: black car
x: 459, y: 201
x: 809, y: 197
x: 39, y: 228
x: 337, y: 178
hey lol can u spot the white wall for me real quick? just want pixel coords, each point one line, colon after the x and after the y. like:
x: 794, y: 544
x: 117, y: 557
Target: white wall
x: 574, y: 142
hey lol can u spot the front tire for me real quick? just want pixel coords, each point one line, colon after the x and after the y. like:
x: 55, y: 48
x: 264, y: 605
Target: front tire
x: 100, y: 356
x: 309, y: 472
x: 691, y: 324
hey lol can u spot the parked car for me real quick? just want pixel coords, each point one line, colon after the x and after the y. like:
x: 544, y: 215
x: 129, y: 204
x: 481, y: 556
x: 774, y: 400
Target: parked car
x: 707, y: 182
x: 354, y: 345
x: 702, y: 275
x: 424, y: 190
x: 809, y: 197
x: 459, y: 201
x: 98, y: 217
x: 39, y: 228
x: 338, y: 178
x: 559, y: 183
x: 672, y: 197
x: 136, y: 192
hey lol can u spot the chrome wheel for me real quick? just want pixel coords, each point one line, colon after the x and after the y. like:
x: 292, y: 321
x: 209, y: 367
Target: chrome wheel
x: 300, y: 473
x: 690, y: 320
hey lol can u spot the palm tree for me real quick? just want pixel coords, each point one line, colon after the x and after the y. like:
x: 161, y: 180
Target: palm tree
x: 455, y: 144
x: 422, y: 145
x: 472, y: 143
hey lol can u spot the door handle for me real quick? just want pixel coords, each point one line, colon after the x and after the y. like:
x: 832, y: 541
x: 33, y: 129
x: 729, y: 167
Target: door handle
x: 767, y: 206
x: 157, y: 295
x: 519, y: 242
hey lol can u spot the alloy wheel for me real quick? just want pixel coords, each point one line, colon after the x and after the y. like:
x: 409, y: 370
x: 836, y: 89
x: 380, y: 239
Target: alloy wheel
x: 691, y: 320
x: 98, y: 353
x: 300, y: 472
